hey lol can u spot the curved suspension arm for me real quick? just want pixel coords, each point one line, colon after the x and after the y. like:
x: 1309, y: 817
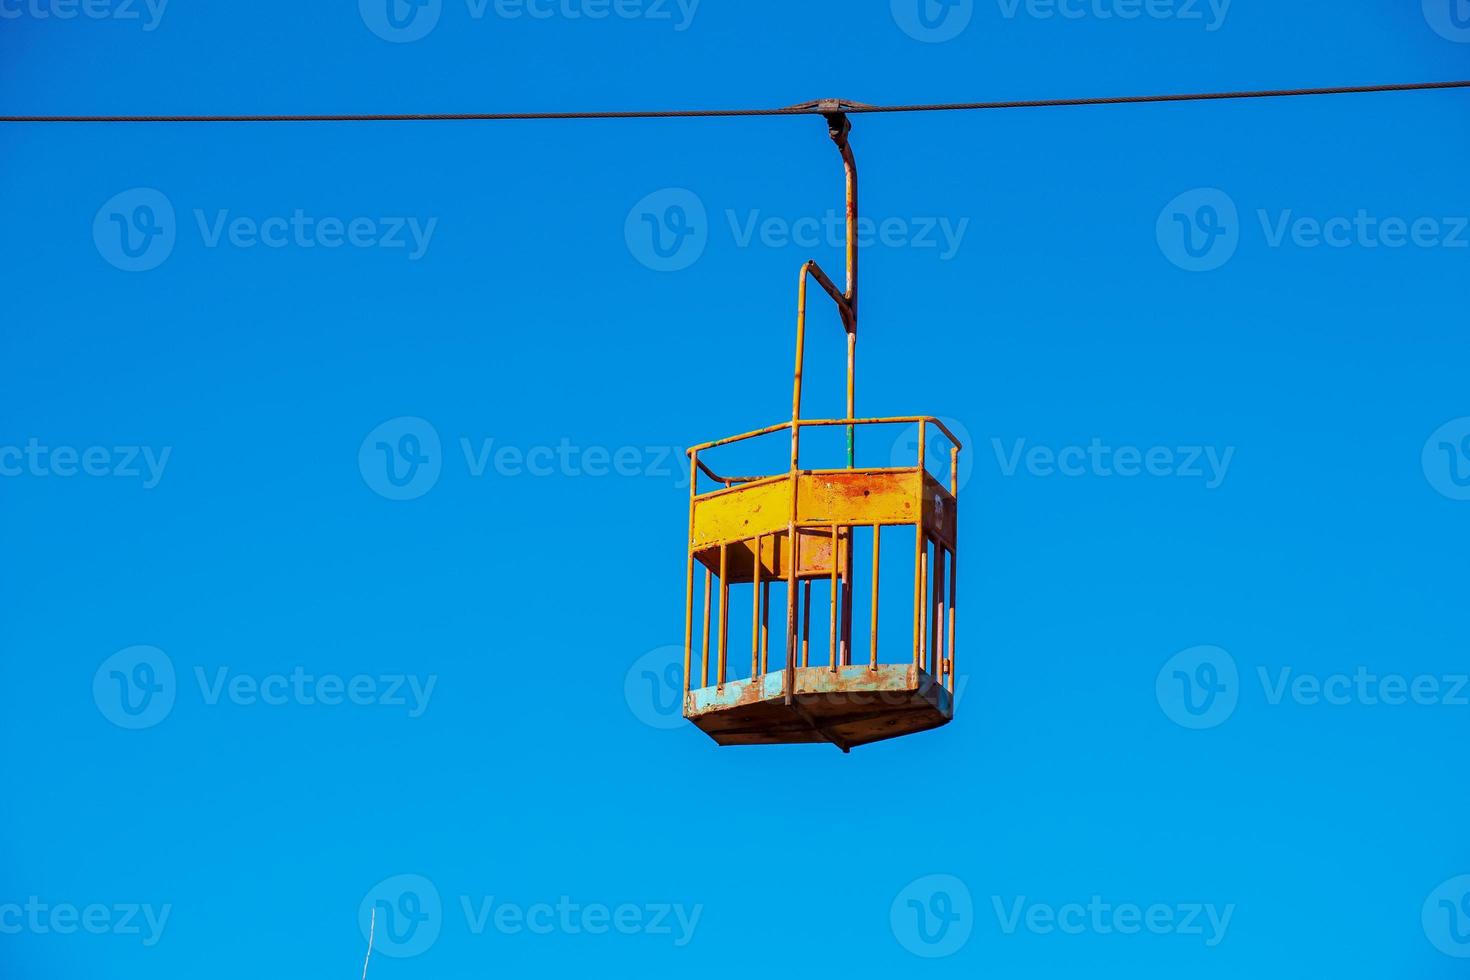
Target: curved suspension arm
x: 838, y: 127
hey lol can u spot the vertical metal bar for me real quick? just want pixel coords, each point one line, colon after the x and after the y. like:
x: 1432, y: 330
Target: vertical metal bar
x: 789, y: 684
x: 689, y: 623
x: 919, y: 554
x: 793, y: 549
x: 931, y: 559
x: 794, y: 555
x: 800, y: 358
x: 689, y: 576
x: 724, y: 611
x: 832, y: 605
x: 766, y: 626
x: 918, y: 603
x: 838, y: 127
x: 851, y: 397
x: 844, y: 627
x: 845, y: 643
x: 873, y: 629
x: 849, y: 166
x: 755, y: 611
x: 954, y: 557
x: 704, y: 659
x: 936, y: 628
x: 954, y: 575
x: 806, y: 624
x: 924, y: 595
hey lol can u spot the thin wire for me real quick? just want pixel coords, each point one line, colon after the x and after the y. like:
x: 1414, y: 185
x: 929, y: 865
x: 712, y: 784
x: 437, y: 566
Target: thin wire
x: 372, y: 923
x: 804, y: 109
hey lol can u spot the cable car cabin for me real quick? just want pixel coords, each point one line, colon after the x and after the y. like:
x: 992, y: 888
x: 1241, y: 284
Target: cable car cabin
x: 805, y: 527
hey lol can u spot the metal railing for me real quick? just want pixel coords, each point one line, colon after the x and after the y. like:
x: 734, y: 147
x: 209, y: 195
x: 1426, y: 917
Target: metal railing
x: 934, y: 599
x: 923, y: 422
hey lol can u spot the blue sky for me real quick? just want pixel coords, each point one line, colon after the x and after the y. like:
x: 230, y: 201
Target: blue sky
x: 1208, y: 361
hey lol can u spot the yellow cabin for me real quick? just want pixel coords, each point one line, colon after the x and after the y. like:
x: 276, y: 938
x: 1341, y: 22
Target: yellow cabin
x: 741, y: 532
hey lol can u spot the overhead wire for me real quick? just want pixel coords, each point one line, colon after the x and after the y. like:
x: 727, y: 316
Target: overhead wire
x: 821, y: 107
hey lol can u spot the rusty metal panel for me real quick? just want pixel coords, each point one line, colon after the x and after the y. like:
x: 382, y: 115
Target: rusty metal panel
x: 850, y: 497
x: 742, y: 512
x: 941, y: 512
x: 814, y: 561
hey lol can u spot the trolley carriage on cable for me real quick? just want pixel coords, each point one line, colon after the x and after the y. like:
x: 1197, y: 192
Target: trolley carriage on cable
x: 803, y: 526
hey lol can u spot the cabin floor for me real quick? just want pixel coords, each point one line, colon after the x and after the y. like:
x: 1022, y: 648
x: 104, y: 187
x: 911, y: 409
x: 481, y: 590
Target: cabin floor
x: 851, y: 706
